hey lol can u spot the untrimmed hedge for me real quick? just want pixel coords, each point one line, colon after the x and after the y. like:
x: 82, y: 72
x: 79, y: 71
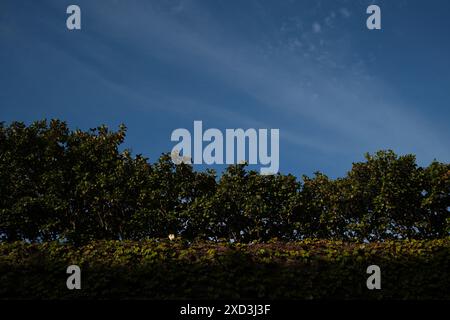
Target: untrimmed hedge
x: 77, y: 186
x: 160, y: 269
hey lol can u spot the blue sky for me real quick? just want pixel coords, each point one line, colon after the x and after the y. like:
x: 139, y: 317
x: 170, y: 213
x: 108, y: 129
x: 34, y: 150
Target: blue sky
x: 310, y: 68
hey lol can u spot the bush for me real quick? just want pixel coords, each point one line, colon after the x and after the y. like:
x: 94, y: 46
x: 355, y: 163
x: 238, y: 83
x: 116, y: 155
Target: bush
x: 156, y: 269
x: 78, y: 186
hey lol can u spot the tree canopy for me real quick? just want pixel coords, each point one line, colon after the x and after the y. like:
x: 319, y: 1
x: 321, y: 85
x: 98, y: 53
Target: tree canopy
x: 77, y: 186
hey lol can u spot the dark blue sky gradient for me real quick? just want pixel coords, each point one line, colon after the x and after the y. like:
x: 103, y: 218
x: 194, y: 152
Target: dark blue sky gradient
x: 310, y: 68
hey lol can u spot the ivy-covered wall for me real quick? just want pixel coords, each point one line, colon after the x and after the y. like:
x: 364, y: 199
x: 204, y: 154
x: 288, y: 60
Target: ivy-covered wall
x: 156, y: 269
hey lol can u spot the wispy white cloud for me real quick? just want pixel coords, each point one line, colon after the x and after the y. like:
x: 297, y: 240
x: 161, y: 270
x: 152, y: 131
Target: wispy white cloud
x: 338, y: 106
x: 316, y: 27
x: 345, y: 12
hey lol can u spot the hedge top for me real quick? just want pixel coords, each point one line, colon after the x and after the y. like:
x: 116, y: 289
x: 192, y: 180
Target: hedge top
x: 78, y: 186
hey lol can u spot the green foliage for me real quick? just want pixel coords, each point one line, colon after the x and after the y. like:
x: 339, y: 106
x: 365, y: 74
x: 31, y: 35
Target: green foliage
x: 78, y: 186
x: 309, y: 269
